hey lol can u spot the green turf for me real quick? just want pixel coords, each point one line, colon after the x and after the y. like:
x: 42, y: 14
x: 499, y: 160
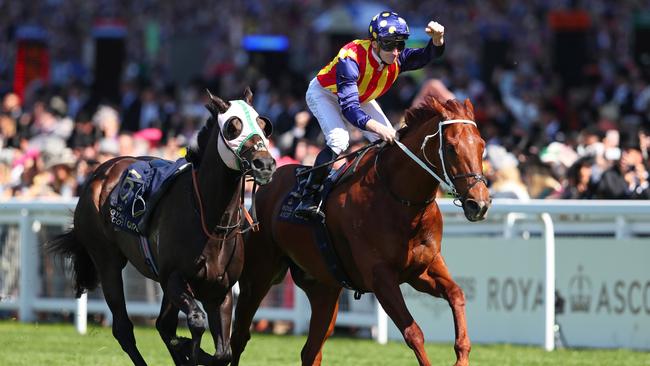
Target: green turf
x: 59, y: 344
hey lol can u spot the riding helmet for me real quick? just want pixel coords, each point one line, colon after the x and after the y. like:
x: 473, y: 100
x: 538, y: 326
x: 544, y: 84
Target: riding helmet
x: 388, y: 25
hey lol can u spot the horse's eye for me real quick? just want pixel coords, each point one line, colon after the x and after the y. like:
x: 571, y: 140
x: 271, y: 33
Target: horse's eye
x: 232, y: 128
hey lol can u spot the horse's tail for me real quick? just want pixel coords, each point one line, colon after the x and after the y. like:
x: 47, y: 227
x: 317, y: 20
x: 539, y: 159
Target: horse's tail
x: 84, y: 272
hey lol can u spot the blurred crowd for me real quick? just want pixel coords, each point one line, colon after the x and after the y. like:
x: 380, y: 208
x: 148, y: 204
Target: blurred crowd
x: 549, y: 135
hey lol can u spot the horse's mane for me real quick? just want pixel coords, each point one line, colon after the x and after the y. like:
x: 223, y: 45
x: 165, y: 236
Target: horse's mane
x: 429, y: 109
x: 195, y: 151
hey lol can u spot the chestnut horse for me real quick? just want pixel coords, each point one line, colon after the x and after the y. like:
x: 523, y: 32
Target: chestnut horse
x: 383, y: 222
x: 194, y: 234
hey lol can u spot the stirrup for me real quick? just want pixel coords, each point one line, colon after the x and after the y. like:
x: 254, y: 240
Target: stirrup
x: 311, y: 211
x: 309, y: 214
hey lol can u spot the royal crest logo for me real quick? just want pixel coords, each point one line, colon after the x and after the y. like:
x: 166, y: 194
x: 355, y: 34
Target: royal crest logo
x: 580, y: 292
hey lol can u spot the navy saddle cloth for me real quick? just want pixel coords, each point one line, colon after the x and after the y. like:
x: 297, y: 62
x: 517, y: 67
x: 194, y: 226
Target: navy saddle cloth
x: 141, y: 186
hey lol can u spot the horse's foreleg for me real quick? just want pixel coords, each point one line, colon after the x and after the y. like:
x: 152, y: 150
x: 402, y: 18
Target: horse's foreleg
x: 389, y: 295
x: 219, y: 317
x: 250, y: 296
x: 180, y: 295
x: 324, y: 303
x: 112, y: 286
x: 437, y: 281
x: 254, y: 283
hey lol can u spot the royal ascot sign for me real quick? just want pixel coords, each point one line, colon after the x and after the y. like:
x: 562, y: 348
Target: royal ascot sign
x: 606, y: 285
x: 602, y: 287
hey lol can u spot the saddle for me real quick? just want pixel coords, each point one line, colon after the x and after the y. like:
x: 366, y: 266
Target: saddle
x: 140, y: 188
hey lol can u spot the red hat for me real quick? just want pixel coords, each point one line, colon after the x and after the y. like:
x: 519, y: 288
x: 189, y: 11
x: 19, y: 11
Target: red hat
x: 152, y: 135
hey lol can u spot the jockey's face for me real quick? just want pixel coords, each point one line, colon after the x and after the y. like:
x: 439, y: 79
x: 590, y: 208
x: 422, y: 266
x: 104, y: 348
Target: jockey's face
x: 388, y: 51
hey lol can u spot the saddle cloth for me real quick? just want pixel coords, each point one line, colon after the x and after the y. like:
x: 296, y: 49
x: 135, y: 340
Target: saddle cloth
x: 140, y: 188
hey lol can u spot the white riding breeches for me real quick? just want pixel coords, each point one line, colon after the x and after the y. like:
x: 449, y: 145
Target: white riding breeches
x: 325, y: 106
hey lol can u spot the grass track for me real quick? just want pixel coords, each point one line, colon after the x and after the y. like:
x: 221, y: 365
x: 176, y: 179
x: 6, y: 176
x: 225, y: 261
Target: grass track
x: 59, y: 344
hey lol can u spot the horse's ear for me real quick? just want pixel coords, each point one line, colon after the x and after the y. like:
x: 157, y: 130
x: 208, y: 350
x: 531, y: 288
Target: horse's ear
x: 435, y: 103
x: 470, y: 107
x: 217, y: 105
x: 248, y: 96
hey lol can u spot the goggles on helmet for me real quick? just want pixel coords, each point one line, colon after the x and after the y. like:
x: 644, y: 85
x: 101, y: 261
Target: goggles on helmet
x: 391, y: 44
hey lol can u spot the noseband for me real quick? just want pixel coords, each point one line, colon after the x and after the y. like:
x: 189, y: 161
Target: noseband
x: 448, y: 182
x: 245, y: 165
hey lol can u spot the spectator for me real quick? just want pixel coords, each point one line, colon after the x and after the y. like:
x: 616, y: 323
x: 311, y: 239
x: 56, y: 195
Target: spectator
x: 61, y: 166
x: 628, y: 177
x: 579, y: 183
x: 523, y: 106
x: 11, y: 106
x: 287, y: 140
x: 85, y: 132
x: 644, y: 143
x: 504, y: 175
x: 8, y: 132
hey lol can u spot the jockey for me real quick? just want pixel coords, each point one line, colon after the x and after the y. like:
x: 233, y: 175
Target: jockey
x: 346, y: 89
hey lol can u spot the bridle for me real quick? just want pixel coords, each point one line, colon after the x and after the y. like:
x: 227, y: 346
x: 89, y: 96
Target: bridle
x: 245, y: 167
x: 222, y: 233
x: 478, y: 177
x: 446, y: 183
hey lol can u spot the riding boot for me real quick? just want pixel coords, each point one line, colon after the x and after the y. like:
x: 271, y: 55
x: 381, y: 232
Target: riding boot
x: 310, y: 201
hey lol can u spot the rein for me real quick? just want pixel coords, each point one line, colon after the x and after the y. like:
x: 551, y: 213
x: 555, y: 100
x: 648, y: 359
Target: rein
x: 448, y: 182
x: 355, y: 152
x: 395, y: 196
x: 228, y: 229
x: 229, y: 233
x: 245, y: 167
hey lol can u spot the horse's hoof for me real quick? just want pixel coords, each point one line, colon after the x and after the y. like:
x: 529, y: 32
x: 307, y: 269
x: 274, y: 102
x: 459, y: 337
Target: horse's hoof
x: 223, y: 359
x: 179, y: 342
x: 221, y: 363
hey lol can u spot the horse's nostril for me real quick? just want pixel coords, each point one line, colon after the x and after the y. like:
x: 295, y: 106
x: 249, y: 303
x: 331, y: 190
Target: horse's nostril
x: 472, y: 206
x: 259, y: 164
x: 263, y: 164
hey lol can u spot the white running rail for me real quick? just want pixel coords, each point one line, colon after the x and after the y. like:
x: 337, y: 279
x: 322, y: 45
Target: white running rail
x: 506, y: 219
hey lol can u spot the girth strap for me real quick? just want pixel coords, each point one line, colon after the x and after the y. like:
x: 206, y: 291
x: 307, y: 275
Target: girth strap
x: 332, y: 258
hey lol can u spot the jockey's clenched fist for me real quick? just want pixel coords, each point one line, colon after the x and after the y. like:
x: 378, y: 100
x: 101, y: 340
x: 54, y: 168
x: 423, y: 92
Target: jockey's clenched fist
x: 436, y: 31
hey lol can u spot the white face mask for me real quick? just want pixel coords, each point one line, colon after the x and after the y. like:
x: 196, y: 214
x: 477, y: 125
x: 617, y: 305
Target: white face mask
x: 230, y: 149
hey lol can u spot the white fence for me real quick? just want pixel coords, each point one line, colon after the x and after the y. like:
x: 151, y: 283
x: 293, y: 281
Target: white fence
x: 506, y: 265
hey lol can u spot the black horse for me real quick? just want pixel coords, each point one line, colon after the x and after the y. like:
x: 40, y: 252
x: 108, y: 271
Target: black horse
x: 194, y: 234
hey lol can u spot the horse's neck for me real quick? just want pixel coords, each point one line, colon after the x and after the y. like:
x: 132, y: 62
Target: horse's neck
x: 219, y: 187
x: 404, y: 177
